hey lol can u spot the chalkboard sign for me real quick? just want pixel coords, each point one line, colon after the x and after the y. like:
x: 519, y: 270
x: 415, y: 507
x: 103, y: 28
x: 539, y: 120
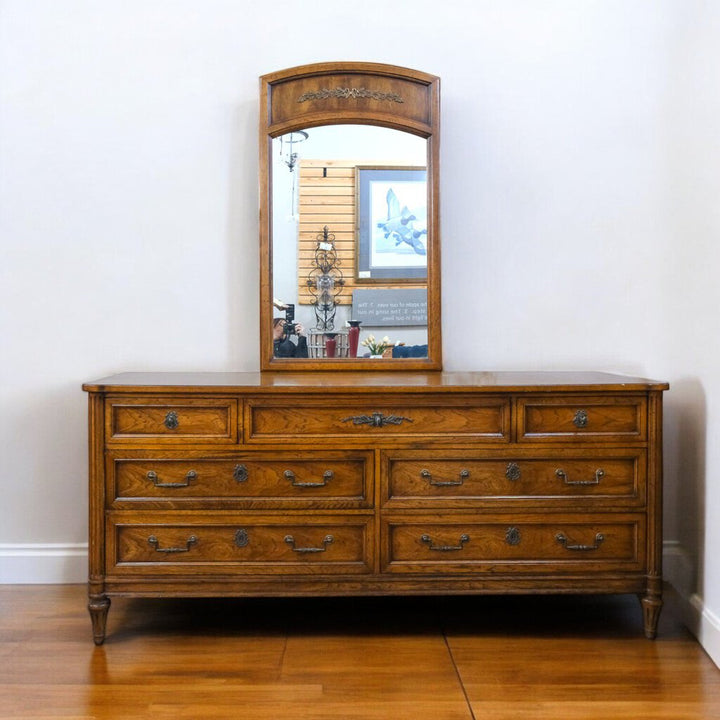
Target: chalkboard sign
x: 378, y: 307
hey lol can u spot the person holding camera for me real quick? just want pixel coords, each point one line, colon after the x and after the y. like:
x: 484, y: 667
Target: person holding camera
x: 283, y: 346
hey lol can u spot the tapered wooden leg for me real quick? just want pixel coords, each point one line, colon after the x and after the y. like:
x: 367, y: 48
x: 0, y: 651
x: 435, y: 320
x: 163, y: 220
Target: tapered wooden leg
x: 98, y: 607
x: 651, y: 605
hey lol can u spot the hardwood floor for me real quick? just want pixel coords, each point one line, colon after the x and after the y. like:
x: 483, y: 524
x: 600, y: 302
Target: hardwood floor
x: 390, y: 658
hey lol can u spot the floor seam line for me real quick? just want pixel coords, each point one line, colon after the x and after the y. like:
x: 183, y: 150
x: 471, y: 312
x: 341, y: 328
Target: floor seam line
x: 457, y: 674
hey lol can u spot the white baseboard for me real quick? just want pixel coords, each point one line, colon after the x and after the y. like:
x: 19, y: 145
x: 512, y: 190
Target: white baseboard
x: 708, y: 628
x: 701, y: 622
x: 43, y: 563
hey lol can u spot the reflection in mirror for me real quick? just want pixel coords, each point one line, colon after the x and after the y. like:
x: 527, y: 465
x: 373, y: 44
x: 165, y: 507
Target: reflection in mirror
x: 349, y: 242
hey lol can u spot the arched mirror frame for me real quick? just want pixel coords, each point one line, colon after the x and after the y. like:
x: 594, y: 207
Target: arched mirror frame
x: 350, y: 93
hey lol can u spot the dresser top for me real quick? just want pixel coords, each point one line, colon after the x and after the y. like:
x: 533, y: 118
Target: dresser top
x: 316, y: 382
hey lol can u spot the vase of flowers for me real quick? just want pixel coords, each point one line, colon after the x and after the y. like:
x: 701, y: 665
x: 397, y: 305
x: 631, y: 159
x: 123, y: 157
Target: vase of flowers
x: 376, y: 347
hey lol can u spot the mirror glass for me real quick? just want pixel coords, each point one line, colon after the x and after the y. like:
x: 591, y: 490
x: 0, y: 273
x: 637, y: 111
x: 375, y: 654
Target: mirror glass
x: 349, y: 236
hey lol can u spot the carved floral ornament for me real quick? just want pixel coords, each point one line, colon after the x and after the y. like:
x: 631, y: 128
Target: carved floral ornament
x: 348, y: 93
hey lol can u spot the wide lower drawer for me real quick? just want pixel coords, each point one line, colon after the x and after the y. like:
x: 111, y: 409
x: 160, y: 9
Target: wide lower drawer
x: 171, y: 420
x: 582, y: 417
x: 457, y: 478
x: 529, y: 543
x: 221, y: 544
x: 378, y: 417
x: 298, y: 478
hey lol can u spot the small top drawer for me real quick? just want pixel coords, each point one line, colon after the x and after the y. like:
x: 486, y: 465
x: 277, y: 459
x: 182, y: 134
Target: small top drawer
x: 597, y: 418
x: 376, y: 418
x: 170, y: 420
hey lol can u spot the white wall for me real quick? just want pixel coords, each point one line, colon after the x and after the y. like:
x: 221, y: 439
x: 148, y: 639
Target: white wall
x: 579, y: 208
x: 691, y: 249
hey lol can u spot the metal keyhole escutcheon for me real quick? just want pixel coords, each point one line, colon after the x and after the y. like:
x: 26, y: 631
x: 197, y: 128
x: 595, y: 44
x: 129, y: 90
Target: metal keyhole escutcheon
x: 581, y: 419
x: 171, y: 420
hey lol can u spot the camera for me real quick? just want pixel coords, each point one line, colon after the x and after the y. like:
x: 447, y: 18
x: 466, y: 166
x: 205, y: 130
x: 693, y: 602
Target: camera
x: 289, y: 324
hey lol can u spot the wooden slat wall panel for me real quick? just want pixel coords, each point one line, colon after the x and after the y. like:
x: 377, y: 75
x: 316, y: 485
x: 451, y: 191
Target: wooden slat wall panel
x: 326, y: 193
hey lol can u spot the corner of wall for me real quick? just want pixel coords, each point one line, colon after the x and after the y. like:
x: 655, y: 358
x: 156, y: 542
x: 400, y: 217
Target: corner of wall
x: 690, y: 606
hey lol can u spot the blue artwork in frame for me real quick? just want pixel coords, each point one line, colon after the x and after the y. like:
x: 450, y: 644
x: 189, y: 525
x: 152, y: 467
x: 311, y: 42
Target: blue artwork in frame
x: 391, y: 208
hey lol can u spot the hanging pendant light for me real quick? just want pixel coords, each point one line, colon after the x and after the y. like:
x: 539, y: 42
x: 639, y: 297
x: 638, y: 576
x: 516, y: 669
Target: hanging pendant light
x: 290, y: 157
x: 287, y: 147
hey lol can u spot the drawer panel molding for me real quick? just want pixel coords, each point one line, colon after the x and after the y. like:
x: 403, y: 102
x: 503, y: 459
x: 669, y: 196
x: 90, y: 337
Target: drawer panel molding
x: 250, y: 545
x: 301, y: 478
x: 615, y: 418
x: 415, y: 478
x: 376, y: 419
x: 515, y: 544
x: 172, y: 421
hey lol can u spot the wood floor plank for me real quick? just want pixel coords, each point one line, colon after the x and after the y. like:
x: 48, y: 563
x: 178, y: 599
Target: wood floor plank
x: 409, y: 669
x: 361, y: 710
x: 595, y: 666
x: 591, y: 711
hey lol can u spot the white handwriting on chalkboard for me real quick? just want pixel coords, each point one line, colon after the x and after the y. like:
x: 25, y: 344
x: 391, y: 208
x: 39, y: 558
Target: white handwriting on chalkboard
x: 390, y: 306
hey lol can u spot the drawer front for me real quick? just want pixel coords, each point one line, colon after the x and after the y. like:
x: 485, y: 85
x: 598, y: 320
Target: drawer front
x: 531, y: 543
x: 172, y: 420
x: 300, y: 479
x: 266, y: 545
x: 458, y: 478
x: 597, y: 418
x: 378, y: 418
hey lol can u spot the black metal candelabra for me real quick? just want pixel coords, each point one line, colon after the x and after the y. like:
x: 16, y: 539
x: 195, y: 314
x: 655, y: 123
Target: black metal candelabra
x: 325, y: 281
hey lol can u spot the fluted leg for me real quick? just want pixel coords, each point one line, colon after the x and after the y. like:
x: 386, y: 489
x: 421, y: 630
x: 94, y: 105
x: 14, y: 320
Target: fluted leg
x: 98, y: 607
x: 651, y: 605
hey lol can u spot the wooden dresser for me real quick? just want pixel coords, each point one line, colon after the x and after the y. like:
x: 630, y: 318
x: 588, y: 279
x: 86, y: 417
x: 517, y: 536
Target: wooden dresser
x: 278, y: 484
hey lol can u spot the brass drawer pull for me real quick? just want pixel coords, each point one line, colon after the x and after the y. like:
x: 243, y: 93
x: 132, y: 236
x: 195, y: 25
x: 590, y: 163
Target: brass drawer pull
x: 171, y: 420
x: 377, y: 419
x: 153, y: 477
x: 327, y: 476
x: 581, y: 419
x: 562, y: 539
x: 512, y: 536
x: 445, y: 548
x: 152, y: 540
x: 290, y: 540
x: 599, y: 473
x: 240, y: 473
x: 427, y: 475
x: 512, y: 471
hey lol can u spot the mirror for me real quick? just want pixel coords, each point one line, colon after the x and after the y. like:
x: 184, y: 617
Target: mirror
x: 349, y: 219
x: 349, y: 239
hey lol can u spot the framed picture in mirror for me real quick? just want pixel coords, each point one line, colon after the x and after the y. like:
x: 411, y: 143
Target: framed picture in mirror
x: 391, y: 224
